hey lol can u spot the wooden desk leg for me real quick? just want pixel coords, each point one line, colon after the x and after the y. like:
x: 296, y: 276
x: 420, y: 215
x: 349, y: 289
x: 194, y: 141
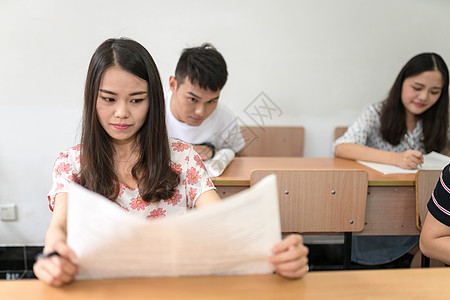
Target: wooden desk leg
x: 347, y: 250
x: 425, y: 262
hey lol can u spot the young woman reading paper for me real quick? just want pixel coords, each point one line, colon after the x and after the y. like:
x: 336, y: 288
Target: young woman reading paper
x: 126, y: 156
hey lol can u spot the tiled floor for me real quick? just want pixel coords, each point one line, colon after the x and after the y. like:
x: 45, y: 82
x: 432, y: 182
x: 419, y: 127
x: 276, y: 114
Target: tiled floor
x: 17, y: 262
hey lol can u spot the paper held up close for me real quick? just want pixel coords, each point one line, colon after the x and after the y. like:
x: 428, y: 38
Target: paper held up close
x: 231, y: 237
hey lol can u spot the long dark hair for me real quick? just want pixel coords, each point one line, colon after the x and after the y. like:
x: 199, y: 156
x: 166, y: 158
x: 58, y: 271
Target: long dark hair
x: 434, y: 120
x: 156, y: 179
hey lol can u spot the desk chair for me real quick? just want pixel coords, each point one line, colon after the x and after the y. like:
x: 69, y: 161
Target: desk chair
x: 339, y: 131
x: 425, y: 183
x: 321, y: 201
x: 273, y: 141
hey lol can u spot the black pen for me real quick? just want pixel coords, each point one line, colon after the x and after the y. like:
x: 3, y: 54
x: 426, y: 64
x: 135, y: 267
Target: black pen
x: 47, y: 255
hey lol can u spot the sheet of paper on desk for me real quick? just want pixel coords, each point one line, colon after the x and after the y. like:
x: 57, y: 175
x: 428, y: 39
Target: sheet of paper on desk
x: 231, y: 237
x: 431, y: 161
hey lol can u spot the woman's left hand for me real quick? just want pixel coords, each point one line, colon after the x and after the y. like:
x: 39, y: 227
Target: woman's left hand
x: 290, y: 257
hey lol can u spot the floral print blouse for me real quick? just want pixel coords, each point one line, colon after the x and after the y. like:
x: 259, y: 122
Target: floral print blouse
x: 194, y: 181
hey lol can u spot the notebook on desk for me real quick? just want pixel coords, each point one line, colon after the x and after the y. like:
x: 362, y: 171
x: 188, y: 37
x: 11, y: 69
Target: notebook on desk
x: 431, y: 161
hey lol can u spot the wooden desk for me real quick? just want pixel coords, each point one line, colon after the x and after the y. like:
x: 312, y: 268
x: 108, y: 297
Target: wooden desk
x: 426, y: 283
x: 391, y: 198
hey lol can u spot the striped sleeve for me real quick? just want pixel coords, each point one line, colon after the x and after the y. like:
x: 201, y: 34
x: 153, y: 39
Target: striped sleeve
x: 439, y: 204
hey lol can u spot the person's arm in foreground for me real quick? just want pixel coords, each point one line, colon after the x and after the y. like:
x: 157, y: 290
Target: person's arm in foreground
x: 57, y: 269
x: 408, y: 159
x: 435, y: 239
x: 289, y: 257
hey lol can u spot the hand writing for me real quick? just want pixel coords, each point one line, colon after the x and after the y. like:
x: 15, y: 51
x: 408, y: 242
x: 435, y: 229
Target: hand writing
x: 409, y: 159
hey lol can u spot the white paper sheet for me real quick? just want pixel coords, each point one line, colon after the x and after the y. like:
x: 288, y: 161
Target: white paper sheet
x: 231, y: 237
x: 432, y: 161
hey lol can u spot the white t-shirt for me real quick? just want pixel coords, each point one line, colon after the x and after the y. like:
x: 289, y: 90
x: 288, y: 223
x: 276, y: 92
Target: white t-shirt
x: 220, y: 129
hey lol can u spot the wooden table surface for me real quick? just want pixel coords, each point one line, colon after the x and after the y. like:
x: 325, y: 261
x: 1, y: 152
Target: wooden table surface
x: 391, y: 204
x: 239, y: 170
x: 363, y: 284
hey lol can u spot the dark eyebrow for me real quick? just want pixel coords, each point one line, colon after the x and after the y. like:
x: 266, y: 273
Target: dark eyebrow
x: 138, y: 93
x: 107, y: 92
x: 194, y: 95
x: 112, y: 93
x: 422, y: 85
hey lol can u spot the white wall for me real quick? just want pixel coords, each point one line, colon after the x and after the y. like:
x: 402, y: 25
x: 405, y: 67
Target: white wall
x: 319, y: 61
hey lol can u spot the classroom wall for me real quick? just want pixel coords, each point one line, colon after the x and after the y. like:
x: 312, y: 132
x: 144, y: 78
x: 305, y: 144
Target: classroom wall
x: 316, y: 62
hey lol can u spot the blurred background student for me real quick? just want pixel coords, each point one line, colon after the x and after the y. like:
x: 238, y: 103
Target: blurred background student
x: 193, y: 112
x: 412, y: 120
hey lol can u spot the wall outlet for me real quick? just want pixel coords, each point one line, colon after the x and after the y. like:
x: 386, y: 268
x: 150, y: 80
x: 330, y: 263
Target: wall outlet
x: 8, y: 212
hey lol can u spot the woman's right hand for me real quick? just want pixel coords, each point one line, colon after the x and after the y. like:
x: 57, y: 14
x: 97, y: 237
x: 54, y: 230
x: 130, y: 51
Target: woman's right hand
x: 59, y: 269
x: 409, y: 159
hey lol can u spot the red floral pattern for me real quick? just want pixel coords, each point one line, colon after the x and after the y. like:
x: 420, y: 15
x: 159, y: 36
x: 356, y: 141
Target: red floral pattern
x: 193, y: 176
x: 199, y: 161
x: 176, y: 167
x: 59, y: 186
x: 209, y: 183
x: 175, y: 199
x: 138, y: 203
x: 179, y: 146
x: 156, y: 214
x: 192, y: 194
x: 194, y: 180
x: 63, y: 168
x: 63, y: 155
x: 73, y: 178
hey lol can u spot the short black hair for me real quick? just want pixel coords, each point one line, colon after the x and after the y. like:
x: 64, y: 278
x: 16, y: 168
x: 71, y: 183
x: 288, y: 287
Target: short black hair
x: 204, y: 66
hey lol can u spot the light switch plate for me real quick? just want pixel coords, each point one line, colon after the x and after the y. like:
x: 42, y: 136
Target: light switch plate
x: 8, y: 212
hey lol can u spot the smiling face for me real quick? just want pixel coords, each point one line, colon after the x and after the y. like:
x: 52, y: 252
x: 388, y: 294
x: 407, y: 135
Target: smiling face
x: 191, y: 104
x: 122, y: 104
x: 420, y: 92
